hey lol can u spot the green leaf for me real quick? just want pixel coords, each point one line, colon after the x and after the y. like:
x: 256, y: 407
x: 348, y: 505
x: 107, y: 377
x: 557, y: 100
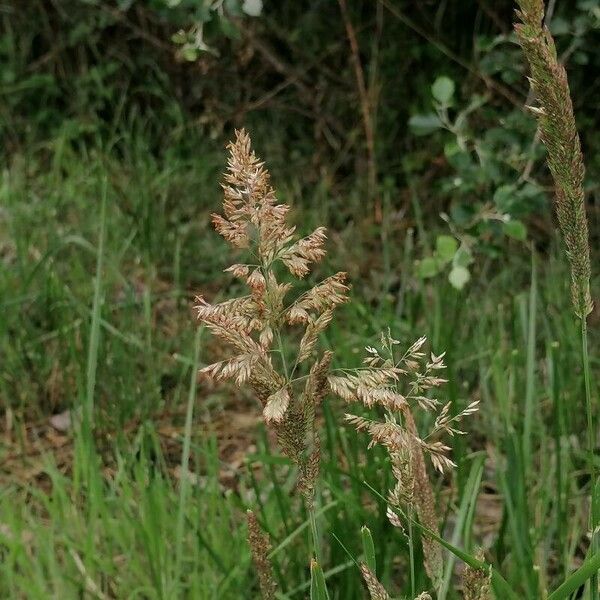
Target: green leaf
x: 180, y: 37
x: 504, y: 197
x: 574, y: 581
x: 459, y: 277
x: 229, y: 28
x: 446, y: 247
x: 368, y: 548
x: 189, y: 53
x: 443, y: 89
x: 463, y: 518
x: 318, y: 587
x: 424, y: 124
x: 463, y: 257
x: 428, y: 267
x: 233, y: 8
x: 515, y: 229
x: 252, y: 8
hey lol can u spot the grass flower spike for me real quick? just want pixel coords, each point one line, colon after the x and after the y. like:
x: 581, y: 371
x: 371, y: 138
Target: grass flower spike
x: 254, y: 325
x: 376, y: 590
x: 260, y: 547
x: 565, y: 160
x: 559, y: 134
x: 477, y: 582
x: 399, y: 385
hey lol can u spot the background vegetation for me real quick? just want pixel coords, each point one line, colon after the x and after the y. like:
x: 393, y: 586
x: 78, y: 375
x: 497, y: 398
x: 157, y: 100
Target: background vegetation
x: 413, y: 147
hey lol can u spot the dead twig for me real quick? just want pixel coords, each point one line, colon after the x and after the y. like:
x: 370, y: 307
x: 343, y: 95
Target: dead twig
x: 366, y: 110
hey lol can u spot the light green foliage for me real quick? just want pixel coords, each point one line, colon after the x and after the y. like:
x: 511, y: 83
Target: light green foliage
x: 448, y: 256
x: 443, y: 90
x: 493, y: 182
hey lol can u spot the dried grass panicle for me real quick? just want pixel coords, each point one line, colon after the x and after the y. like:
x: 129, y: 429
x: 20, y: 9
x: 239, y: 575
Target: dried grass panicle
x: 559, y: 134
x: 477, y: 583
x: 400, y: 385
x: 376, y: 590
x: 254, y: 324
x: 260, y: 547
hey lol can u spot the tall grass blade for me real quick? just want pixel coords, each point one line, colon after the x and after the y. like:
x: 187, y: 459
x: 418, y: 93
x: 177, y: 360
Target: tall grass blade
x: 530, y: 371
x: 577, y: 579
x: 318, y: 587
x: 467, y: 506
x: 184, y: 484
x: 368, y: 548
x: 92, y: 358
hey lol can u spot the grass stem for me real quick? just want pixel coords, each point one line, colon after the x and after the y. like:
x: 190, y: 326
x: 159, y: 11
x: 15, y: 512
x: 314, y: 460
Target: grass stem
x: 591, y: 447
x: 185, y: 457
x: 314, y: 532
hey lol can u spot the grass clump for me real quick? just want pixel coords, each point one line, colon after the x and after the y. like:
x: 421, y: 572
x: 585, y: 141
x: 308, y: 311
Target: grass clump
x: 253, y: 325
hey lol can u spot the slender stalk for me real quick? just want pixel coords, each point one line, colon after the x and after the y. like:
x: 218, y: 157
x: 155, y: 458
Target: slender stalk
x: 282, y: 353
x: 314, y: 532
x: 92, y: 359
x: 591, y: 439
x: 185, y: 458
x: 411, y: 555
x: 559, y: 429
x: 366, y: 107
x: 530, y: 373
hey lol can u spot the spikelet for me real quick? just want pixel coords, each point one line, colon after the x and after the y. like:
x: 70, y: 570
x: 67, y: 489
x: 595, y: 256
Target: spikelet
x: 424, y: 503
x: 254, y: 325
x: 260, y: 547
x: 559, y: 134
x: 477, y: 583
x: 399, y: 385
x: 376, y: 590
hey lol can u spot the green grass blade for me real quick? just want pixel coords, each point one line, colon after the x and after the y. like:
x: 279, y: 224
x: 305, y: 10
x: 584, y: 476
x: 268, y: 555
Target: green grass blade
x: 368, y: 548
x: 587, y: 570
x: 92, y: 359
x: 185, y: 457
x: 290, y: 538
x: 318, y: 587
x: 466, y: 507
x: 530, y: 371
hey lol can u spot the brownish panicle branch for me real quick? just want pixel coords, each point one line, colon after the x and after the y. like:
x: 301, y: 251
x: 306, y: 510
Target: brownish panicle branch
x: 260, y: 547
x: 424, y: 503
x: 477, y: 583
x: 376, y: 590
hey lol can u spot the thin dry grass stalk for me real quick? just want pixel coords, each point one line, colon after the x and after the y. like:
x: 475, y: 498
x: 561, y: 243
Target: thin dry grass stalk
x: 366, y: 107
x: 255, y: 324
x: 260, y: 546
x: 400, y: 385
x: 559, y: 134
